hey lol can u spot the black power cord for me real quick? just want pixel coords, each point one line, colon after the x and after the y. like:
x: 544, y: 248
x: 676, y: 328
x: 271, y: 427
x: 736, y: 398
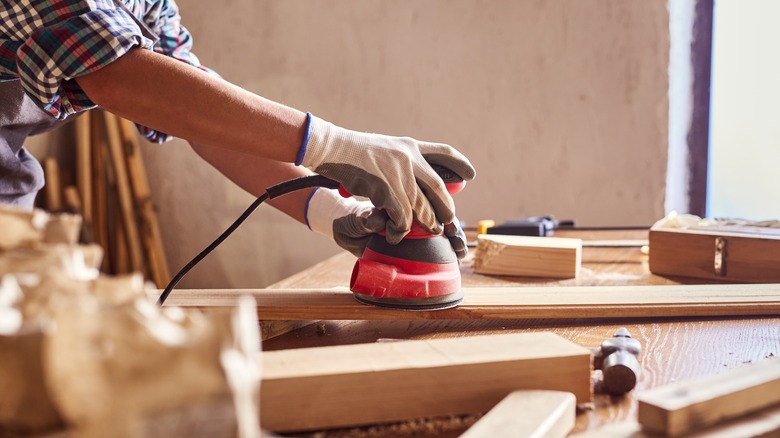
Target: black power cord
x: 270, y: 193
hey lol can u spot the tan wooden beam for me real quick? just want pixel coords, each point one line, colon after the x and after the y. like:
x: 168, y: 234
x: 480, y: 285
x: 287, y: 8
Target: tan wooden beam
x: 685, y: 407
x: 349, y: 385
x: 528, y: 413
x: 507, y: 303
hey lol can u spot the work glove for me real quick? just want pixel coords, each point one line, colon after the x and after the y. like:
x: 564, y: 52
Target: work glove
x: 393, y: 172
x: 351, y: 223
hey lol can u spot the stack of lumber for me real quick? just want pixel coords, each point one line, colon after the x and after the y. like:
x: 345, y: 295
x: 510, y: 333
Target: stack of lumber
x: 111, y: 192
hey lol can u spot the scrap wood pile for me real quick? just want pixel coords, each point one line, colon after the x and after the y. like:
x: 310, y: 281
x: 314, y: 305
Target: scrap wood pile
x: 90, y: 355
x: 109, y: 189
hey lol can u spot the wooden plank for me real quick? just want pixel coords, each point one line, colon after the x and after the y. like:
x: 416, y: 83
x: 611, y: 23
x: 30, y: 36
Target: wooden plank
x: 149, y: 228
x: 752, y: 258
x: 762, y: 424
x: 130, y: 227
x: 53, y: 188
x: 536, y: 414
x: 553, y: 257
x: 507, y: 303
x: 348, y: 385
x: 685, y: 407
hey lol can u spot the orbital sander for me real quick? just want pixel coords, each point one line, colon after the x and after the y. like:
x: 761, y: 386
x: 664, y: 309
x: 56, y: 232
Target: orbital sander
x: 421, y: 272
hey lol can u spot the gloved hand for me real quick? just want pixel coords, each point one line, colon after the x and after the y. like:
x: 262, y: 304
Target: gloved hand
x: 393, y: 172
x: 350, y: 223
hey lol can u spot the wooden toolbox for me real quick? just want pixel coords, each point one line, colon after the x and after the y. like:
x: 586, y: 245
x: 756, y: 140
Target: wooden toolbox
x: 727, y: 252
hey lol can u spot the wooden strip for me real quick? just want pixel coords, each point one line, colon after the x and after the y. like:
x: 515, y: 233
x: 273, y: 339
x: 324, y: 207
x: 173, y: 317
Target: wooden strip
x: 537, y: 414
x: 149, y: 228
x: 688, y: 406
x: 84, y: 164
x: 123, y: 188
x: 348, y: 385
x: 553, y: 257
x: 762, y: 424
x: 508, y: 303
x: 99, y: 198
x: 53, y: 186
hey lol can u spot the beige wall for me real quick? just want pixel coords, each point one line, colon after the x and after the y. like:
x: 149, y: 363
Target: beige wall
x: 561, y: 106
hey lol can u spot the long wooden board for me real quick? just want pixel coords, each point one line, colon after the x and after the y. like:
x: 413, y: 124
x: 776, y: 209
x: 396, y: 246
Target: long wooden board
x: 528, y: 413
x: 349, y: 385
x: 685, y: 407
x: 507, y: 303
x: 762, y: 424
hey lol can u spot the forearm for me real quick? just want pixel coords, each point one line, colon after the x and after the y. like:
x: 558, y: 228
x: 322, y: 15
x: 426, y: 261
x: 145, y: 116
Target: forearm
x: 254, y: 174
x: 167, y: 95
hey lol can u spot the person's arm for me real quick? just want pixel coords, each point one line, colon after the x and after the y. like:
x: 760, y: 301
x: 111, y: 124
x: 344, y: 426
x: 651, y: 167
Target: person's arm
x: 198, y: 107
x: 255, y: 174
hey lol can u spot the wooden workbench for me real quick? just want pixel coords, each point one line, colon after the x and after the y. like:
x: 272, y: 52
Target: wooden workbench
x: 673, y: 349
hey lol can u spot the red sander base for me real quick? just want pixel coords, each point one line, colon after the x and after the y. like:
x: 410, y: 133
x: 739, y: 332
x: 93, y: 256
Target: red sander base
x: 419, y: 273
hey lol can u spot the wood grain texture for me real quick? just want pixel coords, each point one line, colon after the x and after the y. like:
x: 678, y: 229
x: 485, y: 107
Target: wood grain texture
x: 316, y: 388
x: 532, y: 414
x: 528, y: 256
x: 684, y: 407
x: 508, y: 303
x: 753, y: 258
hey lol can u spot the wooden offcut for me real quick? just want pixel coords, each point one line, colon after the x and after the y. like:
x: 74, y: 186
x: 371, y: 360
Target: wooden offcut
x: 326, y: 387
x: 506, y: 303
x: 528, y: 413
x: 553, y: 257
x: 680, y: 408
x: 717, y: 253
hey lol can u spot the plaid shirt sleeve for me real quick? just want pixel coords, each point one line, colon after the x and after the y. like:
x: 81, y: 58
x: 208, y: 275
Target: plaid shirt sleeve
x: 48, y: 43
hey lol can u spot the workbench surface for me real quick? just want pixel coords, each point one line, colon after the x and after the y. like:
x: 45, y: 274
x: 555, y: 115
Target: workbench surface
x: 674, y: 349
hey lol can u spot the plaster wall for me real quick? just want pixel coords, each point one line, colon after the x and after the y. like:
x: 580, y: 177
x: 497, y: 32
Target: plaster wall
x: 560, y: 104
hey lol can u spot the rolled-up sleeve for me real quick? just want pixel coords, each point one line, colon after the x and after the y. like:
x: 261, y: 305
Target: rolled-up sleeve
x: 64, y: 40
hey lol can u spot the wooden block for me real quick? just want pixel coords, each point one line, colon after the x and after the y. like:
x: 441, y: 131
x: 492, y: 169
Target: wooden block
x: 717, y: 254
x: 325, y: 387
x: 507, y: 303
x: 554, y: 257
x: 685, y: 407
x: 538, y: 414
